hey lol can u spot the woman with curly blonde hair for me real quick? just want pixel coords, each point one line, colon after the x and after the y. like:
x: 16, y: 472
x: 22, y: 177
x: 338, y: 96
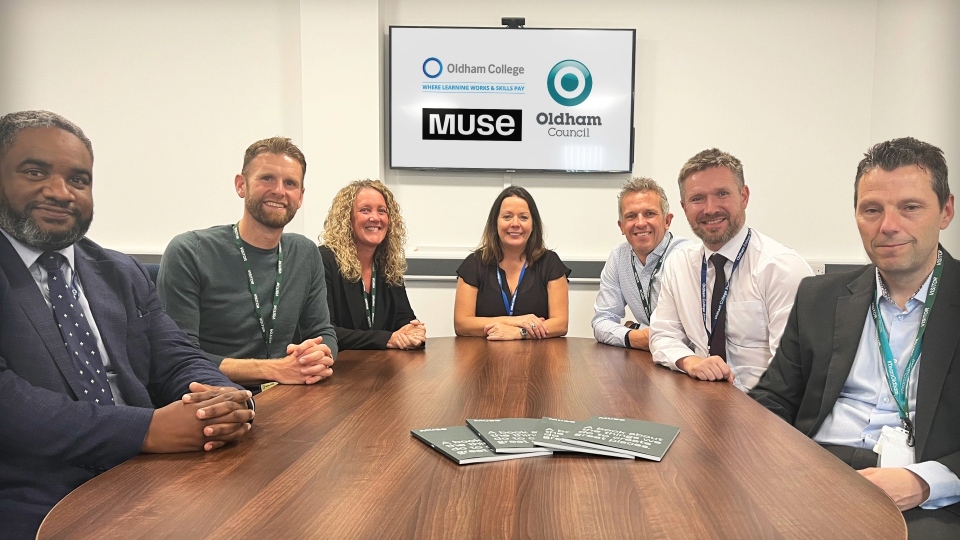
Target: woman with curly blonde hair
x: 363, y: 239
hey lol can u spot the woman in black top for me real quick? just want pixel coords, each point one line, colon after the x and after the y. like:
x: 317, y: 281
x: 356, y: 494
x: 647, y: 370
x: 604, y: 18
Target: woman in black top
x: 512, y: 286
x: 363, y: 265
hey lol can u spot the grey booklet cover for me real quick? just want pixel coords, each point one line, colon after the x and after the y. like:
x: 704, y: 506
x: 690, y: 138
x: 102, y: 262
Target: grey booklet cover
x: 507, y: 435
x: 462, y: 445
x: 552, y: 431
x: 648, y: 440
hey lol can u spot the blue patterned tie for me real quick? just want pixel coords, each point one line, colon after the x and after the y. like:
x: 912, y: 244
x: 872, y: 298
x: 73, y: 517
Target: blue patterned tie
x: 79, y: 340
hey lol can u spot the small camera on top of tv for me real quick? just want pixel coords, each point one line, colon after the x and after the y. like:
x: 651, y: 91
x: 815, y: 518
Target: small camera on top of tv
x: 513, y: 22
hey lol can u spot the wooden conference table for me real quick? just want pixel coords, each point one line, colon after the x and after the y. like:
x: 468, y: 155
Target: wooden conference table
x: 337, y: 460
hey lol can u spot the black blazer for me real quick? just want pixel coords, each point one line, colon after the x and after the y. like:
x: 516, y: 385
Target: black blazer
x: 348, y: 311
x: 818, y: 347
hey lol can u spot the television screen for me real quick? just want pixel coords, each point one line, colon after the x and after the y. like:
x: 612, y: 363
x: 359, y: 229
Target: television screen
x: 511, y: 99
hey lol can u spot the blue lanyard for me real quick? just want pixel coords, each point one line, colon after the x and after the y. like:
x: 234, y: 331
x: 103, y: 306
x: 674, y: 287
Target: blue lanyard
x: 509, y: 304
x: 648, y: 300
x: 899, y: 386
x: 726, y: 290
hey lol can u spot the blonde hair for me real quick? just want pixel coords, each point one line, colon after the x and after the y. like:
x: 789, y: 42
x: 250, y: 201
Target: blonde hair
x: 338, y: 234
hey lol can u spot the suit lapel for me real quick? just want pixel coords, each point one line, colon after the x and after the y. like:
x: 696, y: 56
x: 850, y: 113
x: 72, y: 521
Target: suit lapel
x: 938, y: 349
x: 849, y: 319
x: 25, y: 292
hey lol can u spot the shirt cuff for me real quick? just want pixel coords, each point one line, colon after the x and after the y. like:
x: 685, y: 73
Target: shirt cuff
x: 944, y: 484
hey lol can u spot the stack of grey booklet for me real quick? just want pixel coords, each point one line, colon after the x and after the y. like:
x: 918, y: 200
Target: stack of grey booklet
x: 497, y: 439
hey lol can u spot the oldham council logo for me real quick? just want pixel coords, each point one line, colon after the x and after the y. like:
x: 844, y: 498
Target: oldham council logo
x: 569, y: 83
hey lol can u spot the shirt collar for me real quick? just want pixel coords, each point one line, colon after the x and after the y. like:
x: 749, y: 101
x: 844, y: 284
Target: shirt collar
x: 30, y: 254
x: 919, y: 296
x: 731, y: 249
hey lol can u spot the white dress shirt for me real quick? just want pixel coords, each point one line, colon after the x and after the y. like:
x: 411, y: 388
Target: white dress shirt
x: 866, y: 404
x: 762, y: 291
x: 30, y: 255
x: 618, y: 289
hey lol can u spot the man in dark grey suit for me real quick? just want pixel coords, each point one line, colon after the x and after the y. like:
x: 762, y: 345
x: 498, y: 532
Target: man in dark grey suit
x: 92, y: 371
x: 869, y: 360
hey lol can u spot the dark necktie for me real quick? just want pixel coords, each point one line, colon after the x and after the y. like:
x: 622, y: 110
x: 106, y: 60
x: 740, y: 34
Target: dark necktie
x: 79, y: 340
x: 718, y: 341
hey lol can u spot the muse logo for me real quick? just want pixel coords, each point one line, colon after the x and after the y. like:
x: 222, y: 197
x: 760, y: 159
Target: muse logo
x: 473, y: 124
x: 569, y: 83
x: 432, y: 67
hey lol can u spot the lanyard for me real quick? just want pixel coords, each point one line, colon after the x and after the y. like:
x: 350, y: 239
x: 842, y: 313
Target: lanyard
x: 726, y: 290
x: 267, y: 336
x: 899, y: 386
x: 370, y: 300
x: 648, y: 299
x: 509, y: 304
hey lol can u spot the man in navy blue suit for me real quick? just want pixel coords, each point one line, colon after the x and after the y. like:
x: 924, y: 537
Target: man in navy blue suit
x: 92, y: 371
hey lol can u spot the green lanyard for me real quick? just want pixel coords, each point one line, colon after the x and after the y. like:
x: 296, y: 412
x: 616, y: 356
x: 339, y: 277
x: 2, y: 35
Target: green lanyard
x: 899, y: 386
x: 370, y: 300
x: 267, y: 335
x: 647, y: 300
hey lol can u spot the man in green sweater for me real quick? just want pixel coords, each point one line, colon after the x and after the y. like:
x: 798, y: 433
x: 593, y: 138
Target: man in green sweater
x: 251, y: 297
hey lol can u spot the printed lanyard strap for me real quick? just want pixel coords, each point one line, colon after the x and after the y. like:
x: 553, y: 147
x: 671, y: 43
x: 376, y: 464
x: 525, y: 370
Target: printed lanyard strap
x: 899, y: 385
x: 726, y: 290
x: 267, y: 335
x: 648, y: 299
x: 370, y: 300
x: 508, y: 304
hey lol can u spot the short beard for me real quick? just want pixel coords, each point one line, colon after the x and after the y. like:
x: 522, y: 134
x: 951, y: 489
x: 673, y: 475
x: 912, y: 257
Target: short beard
x: 735, y: 223
x: 268, y: 219
x: 25, y: 229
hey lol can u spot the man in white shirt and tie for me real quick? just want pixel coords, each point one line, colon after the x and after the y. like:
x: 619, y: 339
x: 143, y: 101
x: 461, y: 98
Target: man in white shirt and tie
x: 723, y: 303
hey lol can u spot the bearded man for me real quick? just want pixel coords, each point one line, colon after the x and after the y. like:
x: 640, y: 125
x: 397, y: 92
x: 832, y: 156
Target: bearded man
x: 252, y: 297
x: 724, y: 303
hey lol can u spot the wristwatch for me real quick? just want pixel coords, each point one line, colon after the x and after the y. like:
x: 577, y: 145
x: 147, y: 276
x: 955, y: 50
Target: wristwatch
x: 523, y: 333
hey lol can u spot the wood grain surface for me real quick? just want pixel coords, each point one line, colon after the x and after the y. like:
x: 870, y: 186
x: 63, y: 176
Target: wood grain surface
x: 336, y: 460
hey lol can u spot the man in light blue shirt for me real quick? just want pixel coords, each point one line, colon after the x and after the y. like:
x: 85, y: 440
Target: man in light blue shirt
x: 870, y: 360
x: 631, y: 275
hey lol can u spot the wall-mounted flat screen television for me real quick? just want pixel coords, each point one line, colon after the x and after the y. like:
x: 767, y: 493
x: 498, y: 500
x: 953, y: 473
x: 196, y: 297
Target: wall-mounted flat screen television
x: 541, y: 99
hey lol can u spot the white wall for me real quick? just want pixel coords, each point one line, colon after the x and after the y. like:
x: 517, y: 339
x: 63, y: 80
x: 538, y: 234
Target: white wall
x: 916, y: 88
x: 172, y: 92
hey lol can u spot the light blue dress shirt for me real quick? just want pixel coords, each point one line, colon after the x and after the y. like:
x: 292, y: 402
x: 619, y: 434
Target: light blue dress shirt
x: 618, y: 289
x: 866, y: 404
x: 29, y: 255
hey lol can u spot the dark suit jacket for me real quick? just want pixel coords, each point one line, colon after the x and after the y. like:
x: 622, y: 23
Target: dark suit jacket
x: 348, y: 312
x: 50, y: 443
x: 820, y: 341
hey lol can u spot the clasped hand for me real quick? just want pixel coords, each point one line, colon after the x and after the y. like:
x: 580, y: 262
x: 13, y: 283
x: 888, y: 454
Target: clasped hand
x: 306, y: 363
x: 510, y: 329
x: 205, y: 419
x: 410, y: 336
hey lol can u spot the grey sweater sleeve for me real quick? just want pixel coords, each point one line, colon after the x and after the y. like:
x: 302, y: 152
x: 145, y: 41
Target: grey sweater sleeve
x: 178, y: 286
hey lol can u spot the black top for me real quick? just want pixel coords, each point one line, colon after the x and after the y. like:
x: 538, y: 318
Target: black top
x: 348, y: 311
x: 532, y: 297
